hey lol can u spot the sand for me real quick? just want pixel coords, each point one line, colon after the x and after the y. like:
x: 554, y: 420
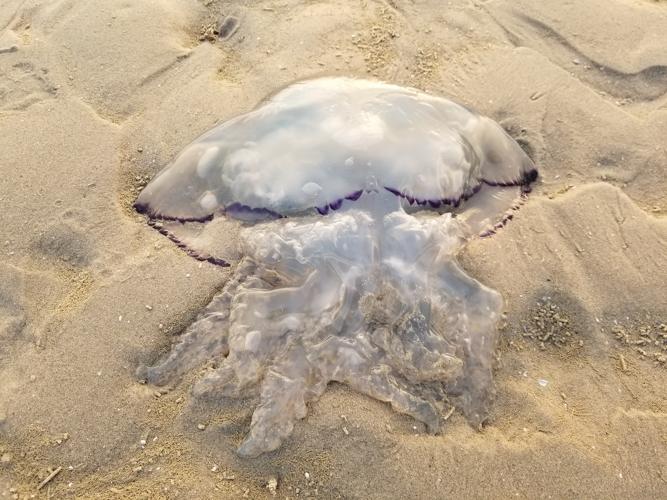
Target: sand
x: 96, y: 97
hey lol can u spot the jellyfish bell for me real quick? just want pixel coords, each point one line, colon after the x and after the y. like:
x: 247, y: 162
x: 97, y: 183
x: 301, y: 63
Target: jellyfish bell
x: 315, y: 144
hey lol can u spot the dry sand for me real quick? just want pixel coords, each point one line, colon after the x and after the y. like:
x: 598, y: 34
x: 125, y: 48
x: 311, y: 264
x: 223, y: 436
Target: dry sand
x: 96, y: 96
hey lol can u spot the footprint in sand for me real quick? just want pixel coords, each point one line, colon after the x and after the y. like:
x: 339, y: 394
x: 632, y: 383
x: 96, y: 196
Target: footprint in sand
x: 66, y: 243
x: 12, y: 315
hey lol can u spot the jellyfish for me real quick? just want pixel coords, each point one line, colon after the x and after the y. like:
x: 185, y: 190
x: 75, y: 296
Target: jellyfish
x: 341, y: 205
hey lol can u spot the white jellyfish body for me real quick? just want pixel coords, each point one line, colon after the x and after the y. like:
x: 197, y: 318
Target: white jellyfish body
x: 320, y: 143
x: 346, y: 260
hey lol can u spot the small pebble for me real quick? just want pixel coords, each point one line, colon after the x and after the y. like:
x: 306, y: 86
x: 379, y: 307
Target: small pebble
x: 201, y: 427
x: 272, y: 485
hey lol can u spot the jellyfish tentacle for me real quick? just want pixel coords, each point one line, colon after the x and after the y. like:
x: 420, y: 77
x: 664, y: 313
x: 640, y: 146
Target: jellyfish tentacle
x: 301, y: 374
x: 273, y: 419
x: 481, y: 307
x: 430, y: 361
x: 380, y: 384
x: 223, y: 382
x: 361, y: 365
x: 204, y: 339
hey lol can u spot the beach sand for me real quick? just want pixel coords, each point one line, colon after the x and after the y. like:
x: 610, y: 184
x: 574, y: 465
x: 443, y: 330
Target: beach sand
x: 96, y: 97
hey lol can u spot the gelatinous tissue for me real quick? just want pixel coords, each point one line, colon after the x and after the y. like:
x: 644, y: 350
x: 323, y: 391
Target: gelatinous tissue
x: 342, y: 204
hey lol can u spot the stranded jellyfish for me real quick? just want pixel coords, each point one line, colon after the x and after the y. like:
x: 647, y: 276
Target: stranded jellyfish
x: 341, y: 205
